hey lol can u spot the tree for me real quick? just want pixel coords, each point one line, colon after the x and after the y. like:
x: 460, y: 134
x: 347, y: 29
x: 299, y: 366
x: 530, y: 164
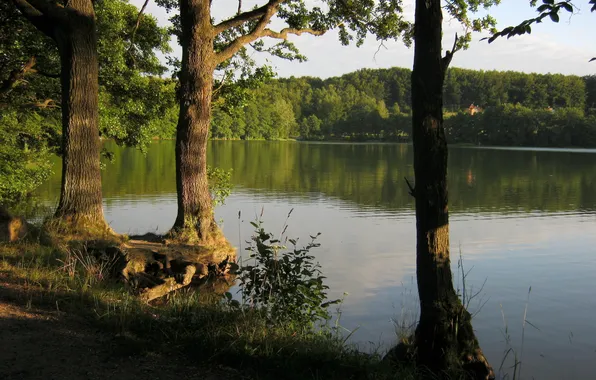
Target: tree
x: 130, y: 101
x: 72, y: 27
x: 198, y: 37
x: 444, y: 337
x: 207, y: 46
x: 199, y: 62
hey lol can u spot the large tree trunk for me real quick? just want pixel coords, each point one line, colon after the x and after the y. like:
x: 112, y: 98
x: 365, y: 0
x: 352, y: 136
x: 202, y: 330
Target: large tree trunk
x: 195, y: 219
x: 80, y: 196
x: 444, y: 337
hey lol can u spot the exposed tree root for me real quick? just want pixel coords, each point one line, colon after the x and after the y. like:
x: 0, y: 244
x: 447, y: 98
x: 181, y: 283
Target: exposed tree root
x: 191, y: 235
x: 444, y: 344
x: 152, y: 267
x: 170, y: 284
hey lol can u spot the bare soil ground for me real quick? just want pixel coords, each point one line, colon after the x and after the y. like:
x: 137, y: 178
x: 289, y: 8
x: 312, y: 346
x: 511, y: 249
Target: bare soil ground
x: 49, y: 344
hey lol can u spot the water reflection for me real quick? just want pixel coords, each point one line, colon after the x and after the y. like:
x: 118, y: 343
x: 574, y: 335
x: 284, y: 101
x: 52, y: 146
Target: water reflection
x: 369, y: 175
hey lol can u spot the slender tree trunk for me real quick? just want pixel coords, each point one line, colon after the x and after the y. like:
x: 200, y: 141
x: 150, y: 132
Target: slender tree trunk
x: 195, y: 211
x: 444, y: 337
x: 80, y: 196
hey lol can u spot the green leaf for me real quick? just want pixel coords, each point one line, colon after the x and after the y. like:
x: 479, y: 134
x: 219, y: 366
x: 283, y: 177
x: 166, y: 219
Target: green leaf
x: 568, y: 7
x: 554, y: 16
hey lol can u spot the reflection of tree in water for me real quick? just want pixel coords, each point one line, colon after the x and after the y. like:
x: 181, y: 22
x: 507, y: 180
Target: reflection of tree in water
x: 369, y: 175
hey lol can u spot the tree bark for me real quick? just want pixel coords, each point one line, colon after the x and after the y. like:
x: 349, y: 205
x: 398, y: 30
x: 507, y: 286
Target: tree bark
x: 72, y: 27
x: 444, y: 337
x: 195, y: 211
x: 80, y: 196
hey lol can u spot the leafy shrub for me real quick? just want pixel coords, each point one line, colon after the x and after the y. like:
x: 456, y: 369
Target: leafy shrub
x: 24, y: 155
x: 220, y: 184
x: 285, y: 284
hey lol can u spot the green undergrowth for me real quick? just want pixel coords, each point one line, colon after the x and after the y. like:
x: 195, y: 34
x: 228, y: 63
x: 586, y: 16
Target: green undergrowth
x: 206, y: 328
x: 277, y: 326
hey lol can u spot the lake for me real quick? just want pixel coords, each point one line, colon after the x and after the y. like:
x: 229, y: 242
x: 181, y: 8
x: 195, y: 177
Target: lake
x: 521, y: 218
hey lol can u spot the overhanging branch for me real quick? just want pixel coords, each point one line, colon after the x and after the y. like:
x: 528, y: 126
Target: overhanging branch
x: 35, y: 16
x: 134, y: 31
x: 283, y: 34
x: 241, y: 18
x: 49, y: 8
x: 138, y: 23
x: 256, y: 32
x: 16, y: 76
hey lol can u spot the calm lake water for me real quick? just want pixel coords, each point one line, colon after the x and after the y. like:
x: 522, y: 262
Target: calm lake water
x: 521, y: 218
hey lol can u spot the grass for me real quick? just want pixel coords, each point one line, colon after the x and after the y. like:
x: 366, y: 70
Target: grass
x: 201, y: 325
x: 198, y: 325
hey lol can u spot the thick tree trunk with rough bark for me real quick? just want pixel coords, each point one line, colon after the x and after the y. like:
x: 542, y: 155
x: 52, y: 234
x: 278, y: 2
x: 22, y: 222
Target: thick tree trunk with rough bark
x: 444, y: 337
x: 80, y: 197
x: 72, y: 27
x: 195, y: 211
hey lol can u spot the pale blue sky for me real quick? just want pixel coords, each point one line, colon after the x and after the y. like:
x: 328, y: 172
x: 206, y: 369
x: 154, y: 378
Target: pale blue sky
x: 565, y: 47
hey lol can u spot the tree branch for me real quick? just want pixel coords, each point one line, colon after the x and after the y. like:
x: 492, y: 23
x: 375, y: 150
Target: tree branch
x: 40, y: 20
x: 134, y: 32
x: 233, y: 48
x: 256, y: 32
x: 449, y: 55
x: 241, y: 18
x: 226, y: 77
x: 47, y: 7
x: 412, y: 191
x: 16, y: 76
x: 283, y: 34
x: 48, y: 103
x: 139, y: 17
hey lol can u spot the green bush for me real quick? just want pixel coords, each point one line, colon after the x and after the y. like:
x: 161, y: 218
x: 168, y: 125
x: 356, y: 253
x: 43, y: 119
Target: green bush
x: 220, y: 184
x: 24, y: 154
x: 285, y: 284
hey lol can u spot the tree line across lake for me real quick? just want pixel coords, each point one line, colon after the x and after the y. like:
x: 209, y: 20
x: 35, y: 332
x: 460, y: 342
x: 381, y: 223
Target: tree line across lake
x: 510, y: 108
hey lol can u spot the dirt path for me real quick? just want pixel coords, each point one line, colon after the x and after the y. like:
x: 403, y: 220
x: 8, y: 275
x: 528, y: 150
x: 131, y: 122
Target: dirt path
x: 42, y: 344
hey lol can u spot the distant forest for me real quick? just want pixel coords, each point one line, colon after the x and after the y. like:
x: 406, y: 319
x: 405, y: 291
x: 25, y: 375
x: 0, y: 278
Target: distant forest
x: 510, y: 108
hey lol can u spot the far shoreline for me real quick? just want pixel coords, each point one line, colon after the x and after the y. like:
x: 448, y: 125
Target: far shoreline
x: 574, y: 149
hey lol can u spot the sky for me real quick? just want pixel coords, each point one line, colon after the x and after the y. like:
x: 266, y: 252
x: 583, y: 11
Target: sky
x: 564, y: 48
